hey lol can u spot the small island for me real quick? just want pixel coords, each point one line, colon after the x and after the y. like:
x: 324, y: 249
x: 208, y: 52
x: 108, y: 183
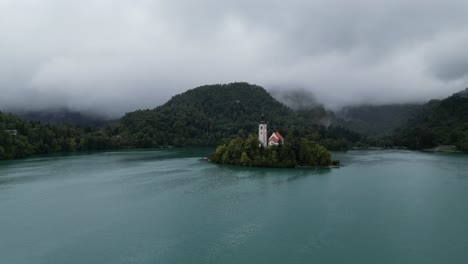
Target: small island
x: 275, y: 152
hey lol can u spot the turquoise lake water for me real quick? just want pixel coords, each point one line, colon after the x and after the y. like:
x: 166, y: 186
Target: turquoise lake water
x: 168, y: 206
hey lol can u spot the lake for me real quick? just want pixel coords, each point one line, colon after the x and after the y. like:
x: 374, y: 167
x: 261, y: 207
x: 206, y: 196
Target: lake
x: 168, y: 206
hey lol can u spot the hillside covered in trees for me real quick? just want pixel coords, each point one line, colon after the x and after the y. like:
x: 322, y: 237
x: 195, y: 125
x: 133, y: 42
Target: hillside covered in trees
x: 376, y: 120
x: 206, y: 115
x: 440, y: 122
x: 19, y: 138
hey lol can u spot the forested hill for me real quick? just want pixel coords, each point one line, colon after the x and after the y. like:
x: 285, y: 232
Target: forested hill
x: 204, y: 116
x: 439, y: 122
x: 208, y: 114
x: 20, y: 138
x: 376, y: 120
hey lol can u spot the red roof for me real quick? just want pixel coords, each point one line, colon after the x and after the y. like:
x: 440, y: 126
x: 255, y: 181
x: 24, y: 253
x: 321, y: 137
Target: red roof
x: 279, y: 135
x: 276, y: 137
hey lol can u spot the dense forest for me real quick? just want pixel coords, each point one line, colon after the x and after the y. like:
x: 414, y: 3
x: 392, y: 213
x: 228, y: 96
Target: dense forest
x: 376, y: 120
x: 207, y: 115
x: 19, y: 138
x: 294, y: 152
x: 203, y: 116
x: 440, y: 122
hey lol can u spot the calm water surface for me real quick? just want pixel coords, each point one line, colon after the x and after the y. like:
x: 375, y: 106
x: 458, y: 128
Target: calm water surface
x: 167, y: 206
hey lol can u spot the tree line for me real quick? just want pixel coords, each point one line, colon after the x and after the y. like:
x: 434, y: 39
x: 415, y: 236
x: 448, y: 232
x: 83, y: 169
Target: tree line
x: 19, y: 138
x: 207, y: 115
x: 294, y: 152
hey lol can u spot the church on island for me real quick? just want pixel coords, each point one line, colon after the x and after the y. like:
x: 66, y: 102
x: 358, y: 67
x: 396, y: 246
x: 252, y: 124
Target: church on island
x: 272, y: 151
x: 274, y: 140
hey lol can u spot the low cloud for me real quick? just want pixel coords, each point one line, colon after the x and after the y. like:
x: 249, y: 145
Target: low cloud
x: 116, y: 56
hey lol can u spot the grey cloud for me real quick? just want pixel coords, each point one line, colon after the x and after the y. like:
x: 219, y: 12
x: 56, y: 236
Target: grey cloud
x: 448, y: 60
x: 121, y: 55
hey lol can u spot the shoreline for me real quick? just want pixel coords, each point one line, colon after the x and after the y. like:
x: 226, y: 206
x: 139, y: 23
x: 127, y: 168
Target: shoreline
x: 206, y: 159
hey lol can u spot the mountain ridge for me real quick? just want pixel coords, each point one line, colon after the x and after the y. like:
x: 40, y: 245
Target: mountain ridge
x: 440, y: 122
x: 210, y: 114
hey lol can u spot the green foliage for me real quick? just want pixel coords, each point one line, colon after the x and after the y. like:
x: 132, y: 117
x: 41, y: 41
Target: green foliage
x: 294, y: 152
x: 34, y: 138
x: 207, y: 115
x: 442, y: 122
x: 376, y: 120
x: 204, y: 116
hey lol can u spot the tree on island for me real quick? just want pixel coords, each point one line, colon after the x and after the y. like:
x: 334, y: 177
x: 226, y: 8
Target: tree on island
x: 294, y: 152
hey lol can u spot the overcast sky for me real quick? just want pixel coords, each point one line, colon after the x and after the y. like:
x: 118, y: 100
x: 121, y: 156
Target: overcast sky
x: 114, y: 56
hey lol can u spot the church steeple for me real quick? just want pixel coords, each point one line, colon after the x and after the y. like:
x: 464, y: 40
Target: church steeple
x: 262, y: 131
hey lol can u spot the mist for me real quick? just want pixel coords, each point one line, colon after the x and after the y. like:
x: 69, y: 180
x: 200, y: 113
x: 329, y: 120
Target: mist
x: 111, y: 57
x: 295, y: 98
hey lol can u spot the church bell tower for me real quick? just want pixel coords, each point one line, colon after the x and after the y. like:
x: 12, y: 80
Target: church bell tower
x: 262, y: 132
